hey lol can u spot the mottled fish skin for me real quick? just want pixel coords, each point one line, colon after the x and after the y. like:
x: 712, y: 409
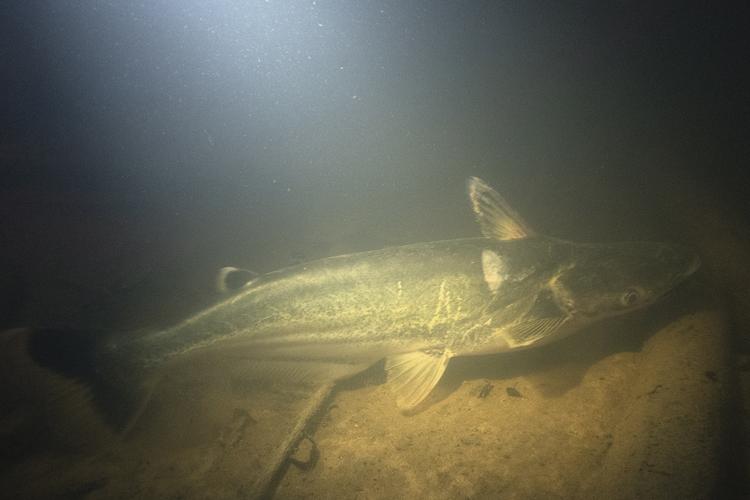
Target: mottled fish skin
x: 390, y: 300
x: 419, y: 305
x: 420, y: 296
x: 415, y: 306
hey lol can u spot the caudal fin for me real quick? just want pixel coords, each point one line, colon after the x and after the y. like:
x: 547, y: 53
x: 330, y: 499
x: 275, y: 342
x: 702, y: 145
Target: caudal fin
x: 82, y: 395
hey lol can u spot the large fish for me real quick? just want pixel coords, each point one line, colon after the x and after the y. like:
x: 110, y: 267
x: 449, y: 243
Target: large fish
x: 416, y: 306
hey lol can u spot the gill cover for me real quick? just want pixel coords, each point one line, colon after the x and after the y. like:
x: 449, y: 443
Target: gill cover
x: 538, y: 314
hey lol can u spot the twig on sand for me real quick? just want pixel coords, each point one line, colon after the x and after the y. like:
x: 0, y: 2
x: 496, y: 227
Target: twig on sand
x: 269, y: 479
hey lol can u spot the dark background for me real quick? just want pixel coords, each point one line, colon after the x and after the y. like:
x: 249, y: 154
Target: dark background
x: 145, y: 144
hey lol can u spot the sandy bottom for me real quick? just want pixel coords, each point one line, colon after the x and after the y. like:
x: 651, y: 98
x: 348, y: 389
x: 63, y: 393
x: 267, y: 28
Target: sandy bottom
x: 631, y: 409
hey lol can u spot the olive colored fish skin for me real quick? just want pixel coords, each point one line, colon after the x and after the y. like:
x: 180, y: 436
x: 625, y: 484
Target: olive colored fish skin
x: 417, y: 306
x: 428, y: 295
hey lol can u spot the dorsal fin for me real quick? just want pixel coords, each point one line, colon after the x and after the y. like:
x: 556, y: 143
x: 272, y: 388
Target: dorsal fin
x: 495, y: 216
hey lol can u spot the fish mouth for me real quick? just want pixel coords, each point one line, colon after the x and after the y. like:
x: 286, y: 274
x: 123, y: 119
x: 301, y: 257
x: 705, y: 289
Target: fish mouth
x: 683, y: 261
x: 689, y: 263
x: 693, y: 266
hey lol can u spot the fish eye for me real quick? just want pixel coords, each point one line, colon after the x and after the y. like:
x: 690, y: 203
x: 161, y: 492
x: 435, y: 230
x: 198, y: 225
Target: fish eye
x: 630, y: 297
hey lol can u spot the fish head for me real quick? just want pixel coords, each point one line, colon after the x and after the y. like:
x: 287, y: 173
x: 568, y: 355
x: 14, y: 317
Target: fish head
x: 612, y: 279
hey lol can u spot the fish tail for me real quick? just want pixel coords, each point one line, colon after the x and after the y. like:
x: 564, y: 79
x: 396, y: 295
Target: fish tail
x: 63, y: 379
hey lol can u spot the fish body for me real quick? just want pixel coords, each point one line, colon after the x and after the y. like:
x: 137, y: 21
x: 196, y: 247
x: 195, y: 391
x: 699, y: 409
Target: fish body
x: 417, y: 305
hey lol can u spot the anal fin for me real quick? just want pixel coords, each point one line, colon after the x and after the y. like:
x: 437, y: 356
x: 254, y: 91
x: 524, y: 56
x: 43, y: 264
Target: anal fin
x: 413, y: 375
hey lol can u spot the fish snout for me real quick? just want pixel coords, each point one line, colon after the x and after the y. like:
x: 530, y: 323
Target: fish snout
x: 683, y: 260
x: 695, y: 264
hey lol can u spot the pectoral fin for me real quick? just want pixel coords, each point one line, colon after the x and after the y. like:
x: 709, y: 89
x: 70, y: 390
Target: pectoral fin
x: 413, y: 375
x: 531, y: 332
